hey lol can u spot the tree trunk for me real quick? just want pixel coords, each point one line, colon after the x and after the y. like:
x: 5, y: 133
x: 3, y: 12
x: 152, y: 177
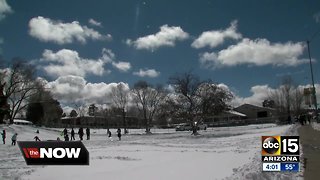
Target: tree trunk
x: 1, y: 118
x: 4, y: 107
x: 147, y: 127
x: 11, y: 119
x: 146, y: 121
x: 124, y: 121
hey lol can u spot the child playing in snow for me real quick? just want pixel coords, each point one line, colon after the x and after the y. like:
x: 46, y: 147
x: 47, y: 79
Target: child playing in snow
x: 14, y: 139
x: 119, y: 134
x: 66, y: 137
x: 109, y: 133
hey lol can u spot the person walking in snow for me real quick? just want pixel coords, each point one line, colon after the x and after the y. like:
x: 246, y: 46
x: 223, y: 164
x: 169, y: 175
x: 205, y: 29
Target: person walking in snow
x: 80, y: 132
x: 109, y: 133
x: 300, y: 118
x: 72, y: 134
x: 66, y: 137
x: 88, y: 133
x: 309, y: 118
x: 36, y: 138
x: 14, y: 139
x: 65, y: 133
x: 3, y: 134
x: 289, y: 119
x: 119, y: 134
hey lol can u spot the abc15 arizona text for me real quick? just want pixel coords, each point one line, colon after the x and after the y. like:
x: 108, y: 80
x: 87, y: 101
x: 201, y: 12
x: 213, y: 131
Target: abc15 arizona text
x: 280, y: 148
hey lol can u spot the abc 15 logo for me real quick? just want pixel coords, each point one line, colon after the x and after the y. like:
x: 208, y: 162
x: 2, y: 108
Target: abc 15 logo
x: 280, y: 145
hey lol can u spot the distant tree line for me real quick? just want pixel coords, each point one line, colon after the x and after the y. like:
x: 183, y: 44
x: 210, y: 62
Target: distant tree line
x: 189, y: 99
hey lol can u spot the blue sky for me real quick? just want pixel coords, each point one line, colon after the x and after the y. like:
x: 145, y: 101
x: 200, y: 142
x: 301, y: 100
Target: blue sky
x: 245, y: 45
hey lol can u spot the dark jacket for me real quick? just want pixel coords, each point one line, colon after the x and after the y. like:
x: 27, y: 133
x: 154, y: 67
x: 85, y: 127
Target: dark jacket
x: 72, y: 132
x: 80, y: 132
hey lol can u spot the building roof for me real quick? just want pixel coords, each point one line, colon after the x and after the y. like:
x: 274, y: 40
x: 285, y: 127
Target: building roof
x: 253, y: 107
x: 236, y: 113
x: 21, y: 121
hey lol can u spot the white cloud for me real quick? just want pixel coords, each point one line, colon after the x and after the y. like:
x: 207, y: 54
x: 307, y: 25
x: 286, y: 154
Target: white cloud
x: 94, y: 22
x: 262, y: 92
x: 257, y: 52
x: 107, y: 55
x: 122, y: 66
x: 224, y: 86
x: 67, y: 110
x: 259, y: 94
x: 216, y: 37
x: 68, y: 62
x: 48, y: 30
x: 152, y: 73
x: 71, y: 89
x: 167, y: 36
x: 68, y: 88
x: 4, y: 9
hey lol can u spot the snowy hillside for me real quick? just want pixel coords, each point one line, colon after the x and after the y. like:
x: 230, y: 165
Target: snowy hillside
x: 218, y: 153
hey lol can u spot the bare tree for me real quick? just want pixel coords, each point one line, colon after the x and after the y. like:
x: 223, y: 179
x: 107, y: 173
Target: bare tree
x: 106, y: 116
x: 4, y: 106
x: 197, y: 99
x: 147, y: 100
x: 287, y: 99
x: 297, y: 101
x: 81, y: 108
x: 20, y: 85
x: 213, y: 99
x: 186, y: 86
x: 120, y: 98
x: 286, y: 89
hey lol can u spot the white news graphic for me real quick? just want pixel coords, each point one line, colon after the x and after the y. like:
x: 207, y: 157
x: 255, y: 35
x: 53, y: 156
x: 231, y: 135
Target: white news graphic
x: 271, y: 167
x: 280, y: 153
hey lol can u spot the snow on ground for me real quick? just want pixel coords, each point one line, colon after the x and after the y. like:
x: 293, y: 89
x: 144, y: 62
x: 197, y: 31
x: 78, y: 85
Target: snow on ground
x: 218, y: 153
x: 251, y: 170
x: 315, y: 126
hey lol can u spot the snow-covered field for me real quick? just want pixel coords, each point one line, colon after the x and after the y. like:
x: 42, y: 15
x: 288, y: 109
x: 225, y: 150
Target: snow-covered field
x: 218, y: 153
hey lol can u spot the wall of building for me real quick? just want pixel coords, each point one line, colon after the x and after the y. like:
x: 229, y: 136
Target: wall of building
x: 254, y: 112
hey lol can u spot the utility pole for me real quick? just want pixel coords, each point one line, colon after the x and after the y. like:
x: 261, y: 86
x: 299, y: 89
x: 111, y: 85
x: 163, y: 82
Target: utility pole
x: 314, y: 89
